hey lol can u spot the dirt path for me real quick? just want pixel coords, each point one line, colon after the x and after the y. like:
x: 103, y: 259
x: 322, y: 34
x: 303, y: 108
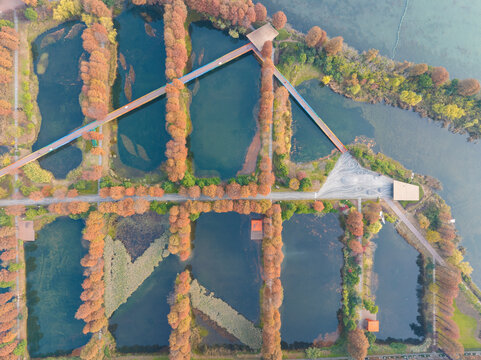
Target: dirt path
x: 250, y: 161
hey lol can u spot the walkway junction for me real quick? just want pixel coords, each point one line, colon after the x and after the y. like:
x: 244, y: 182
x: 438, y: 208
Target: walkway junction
x: 161, y: 91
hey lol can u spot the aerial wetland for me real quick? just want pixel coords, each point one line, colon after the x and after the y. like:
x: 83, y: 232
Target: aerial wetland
x: 185, y: 274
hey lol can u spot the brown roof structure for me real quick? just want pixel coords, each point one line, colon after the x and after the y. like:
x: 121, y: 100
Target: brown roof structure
x: 256, y: 229
x: 260, y: 36
x: 373, y: 325
x: 404, y: 191
x: 26, y: 231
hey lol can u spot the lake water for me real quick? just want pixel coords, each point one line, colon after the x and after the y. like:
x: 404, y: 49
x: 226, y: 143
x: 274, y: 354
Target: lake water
x: 227, y: 262
x: 140, y: 324
x: 54, y: 278
x: 141, y: 133
x: 427, y: 35
x: 223, y: 109
x: 56, y: 56
x: 311, y: 277
x: 396, y: 285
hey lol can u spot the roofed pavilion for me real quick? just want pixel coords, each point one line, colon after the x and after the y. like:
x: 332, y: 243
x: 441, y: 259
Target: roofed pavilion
x: 260, y: 36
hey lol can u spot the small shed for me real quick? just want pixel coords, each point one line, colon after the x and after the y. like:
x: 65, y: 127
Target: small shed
x: 26, y: 231
x: 260, y: 36
x: 404, y: 191
x: 256, y: 229
x: 372, y: 325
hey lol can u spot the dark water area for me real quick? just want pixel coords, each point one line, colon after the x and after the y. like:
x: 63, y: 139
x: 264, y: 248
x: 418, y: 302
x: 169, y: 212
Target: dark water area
x: 227, y: 262
x: 421, y: 145
x: 141, y: 133
x: 311, y: 277
x: 224, y: 104
x: 396, y: 286
x: 54, y: 278
x: 140, y: 324
x: 343, y: 116
x: 56, y: 55
x: 215, y: 335
x: 427, y: 33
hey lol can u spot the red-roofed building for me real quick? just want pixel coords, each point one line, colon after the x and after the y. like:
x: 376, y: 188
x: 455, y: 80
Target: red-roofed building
x: 373, y: 325
x: 256, y: 229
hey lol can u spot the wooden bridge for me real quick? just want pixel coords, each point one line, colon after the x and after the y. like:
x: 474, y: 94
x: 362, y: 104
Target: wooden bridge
x: 161, y: 91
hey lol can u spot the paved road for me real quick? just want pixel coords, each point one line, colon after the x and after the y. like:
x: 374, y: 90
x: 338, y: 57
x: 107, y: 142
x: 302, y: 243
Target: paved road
x: 124, y: 110
x: 414, y: 230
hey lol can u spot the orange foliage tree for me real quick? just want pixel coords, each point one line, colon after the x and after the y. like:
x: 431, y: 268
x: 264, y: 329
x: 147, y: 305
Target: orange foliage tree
x: 334, y: 45
x: 279, y: 20
x: 180, y: 320
x: 439, y: 75
x: 273, y: 292
x: 239, y: 12
x: 357, y: 344
x: 92, y: 310
x: 354, y: 223
x: 315, y: 37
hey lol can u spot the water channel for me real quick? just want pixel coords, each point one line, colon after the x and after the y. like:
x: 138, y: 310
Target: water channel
x: 56, y: 56
x: 54, y: 278
x: 141, y: 134
x: 395, y: 283
x: 311, y: 277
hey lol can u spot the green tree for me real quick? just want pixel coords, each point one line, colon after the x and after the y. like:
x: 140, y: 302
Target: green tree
x: 30, y: 14
x: 410, y: 97
x: 425, y: 81
x: 35, y: 173
x: 306, y: 184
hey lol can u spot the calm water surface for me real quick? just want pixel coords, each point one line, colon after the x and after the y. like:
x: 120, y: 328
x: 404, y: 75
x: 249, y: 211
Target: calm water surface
x: 310, y: 277
x: 54, y: 276
x: 226, y: 261
x: 427, y: 35
x: 141, y: 133
x: 223, y: 109
x: 56, y: 56
x: 140, y: 324
x: 396, y: 288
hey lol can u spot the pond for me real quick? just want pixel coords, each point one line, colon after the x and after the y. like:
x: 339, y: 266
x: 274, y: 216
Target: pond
x: 227, y: 262
x: 395, y: 280
x: 224, y: 104
x: 311, y: 277
x: 56, y: 56
x: 141, y: 136
x: 54, y: 278
x: 308, y: 141
x: 140, y: 324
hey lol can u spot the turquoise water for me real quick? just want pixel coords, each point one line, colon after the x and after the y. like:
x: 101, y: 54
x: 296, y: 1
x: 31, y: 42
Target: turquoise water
x: 226, y: 261
x: 427, y: 33
x: 58, y: 97
x: 54, y: 278
x: 140, y: 325
x: 420, y: 145
x: 311, y: 277
x: 395, y: 279
x: 141, y: 133
x: 223, y: 109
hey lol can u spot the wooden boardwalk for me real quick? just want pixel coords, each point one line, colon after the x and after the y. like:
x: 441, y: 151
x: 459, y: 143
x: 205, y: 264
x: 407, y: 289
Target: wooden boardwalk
x: 307, y: 108
x: 161, y: 91
x: 123, y: 110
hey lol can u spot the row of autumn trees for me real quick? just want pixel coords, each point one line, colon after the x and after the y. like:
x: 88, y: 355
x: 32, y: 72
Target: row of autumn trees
x: 8, y: 44
x: 175, y: 15
x: 266, y: 176
x: 272, y: 256
x: 92, y: 310
x: 180, y: 319
x: 8, y: 307
x: 180, y: 225
x: 95, y: 71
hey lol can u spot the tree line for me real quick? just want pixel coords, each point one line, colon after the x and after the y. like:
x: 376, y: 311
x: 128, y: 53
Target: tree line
x: 92, y: 310
x: 272, y: 257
